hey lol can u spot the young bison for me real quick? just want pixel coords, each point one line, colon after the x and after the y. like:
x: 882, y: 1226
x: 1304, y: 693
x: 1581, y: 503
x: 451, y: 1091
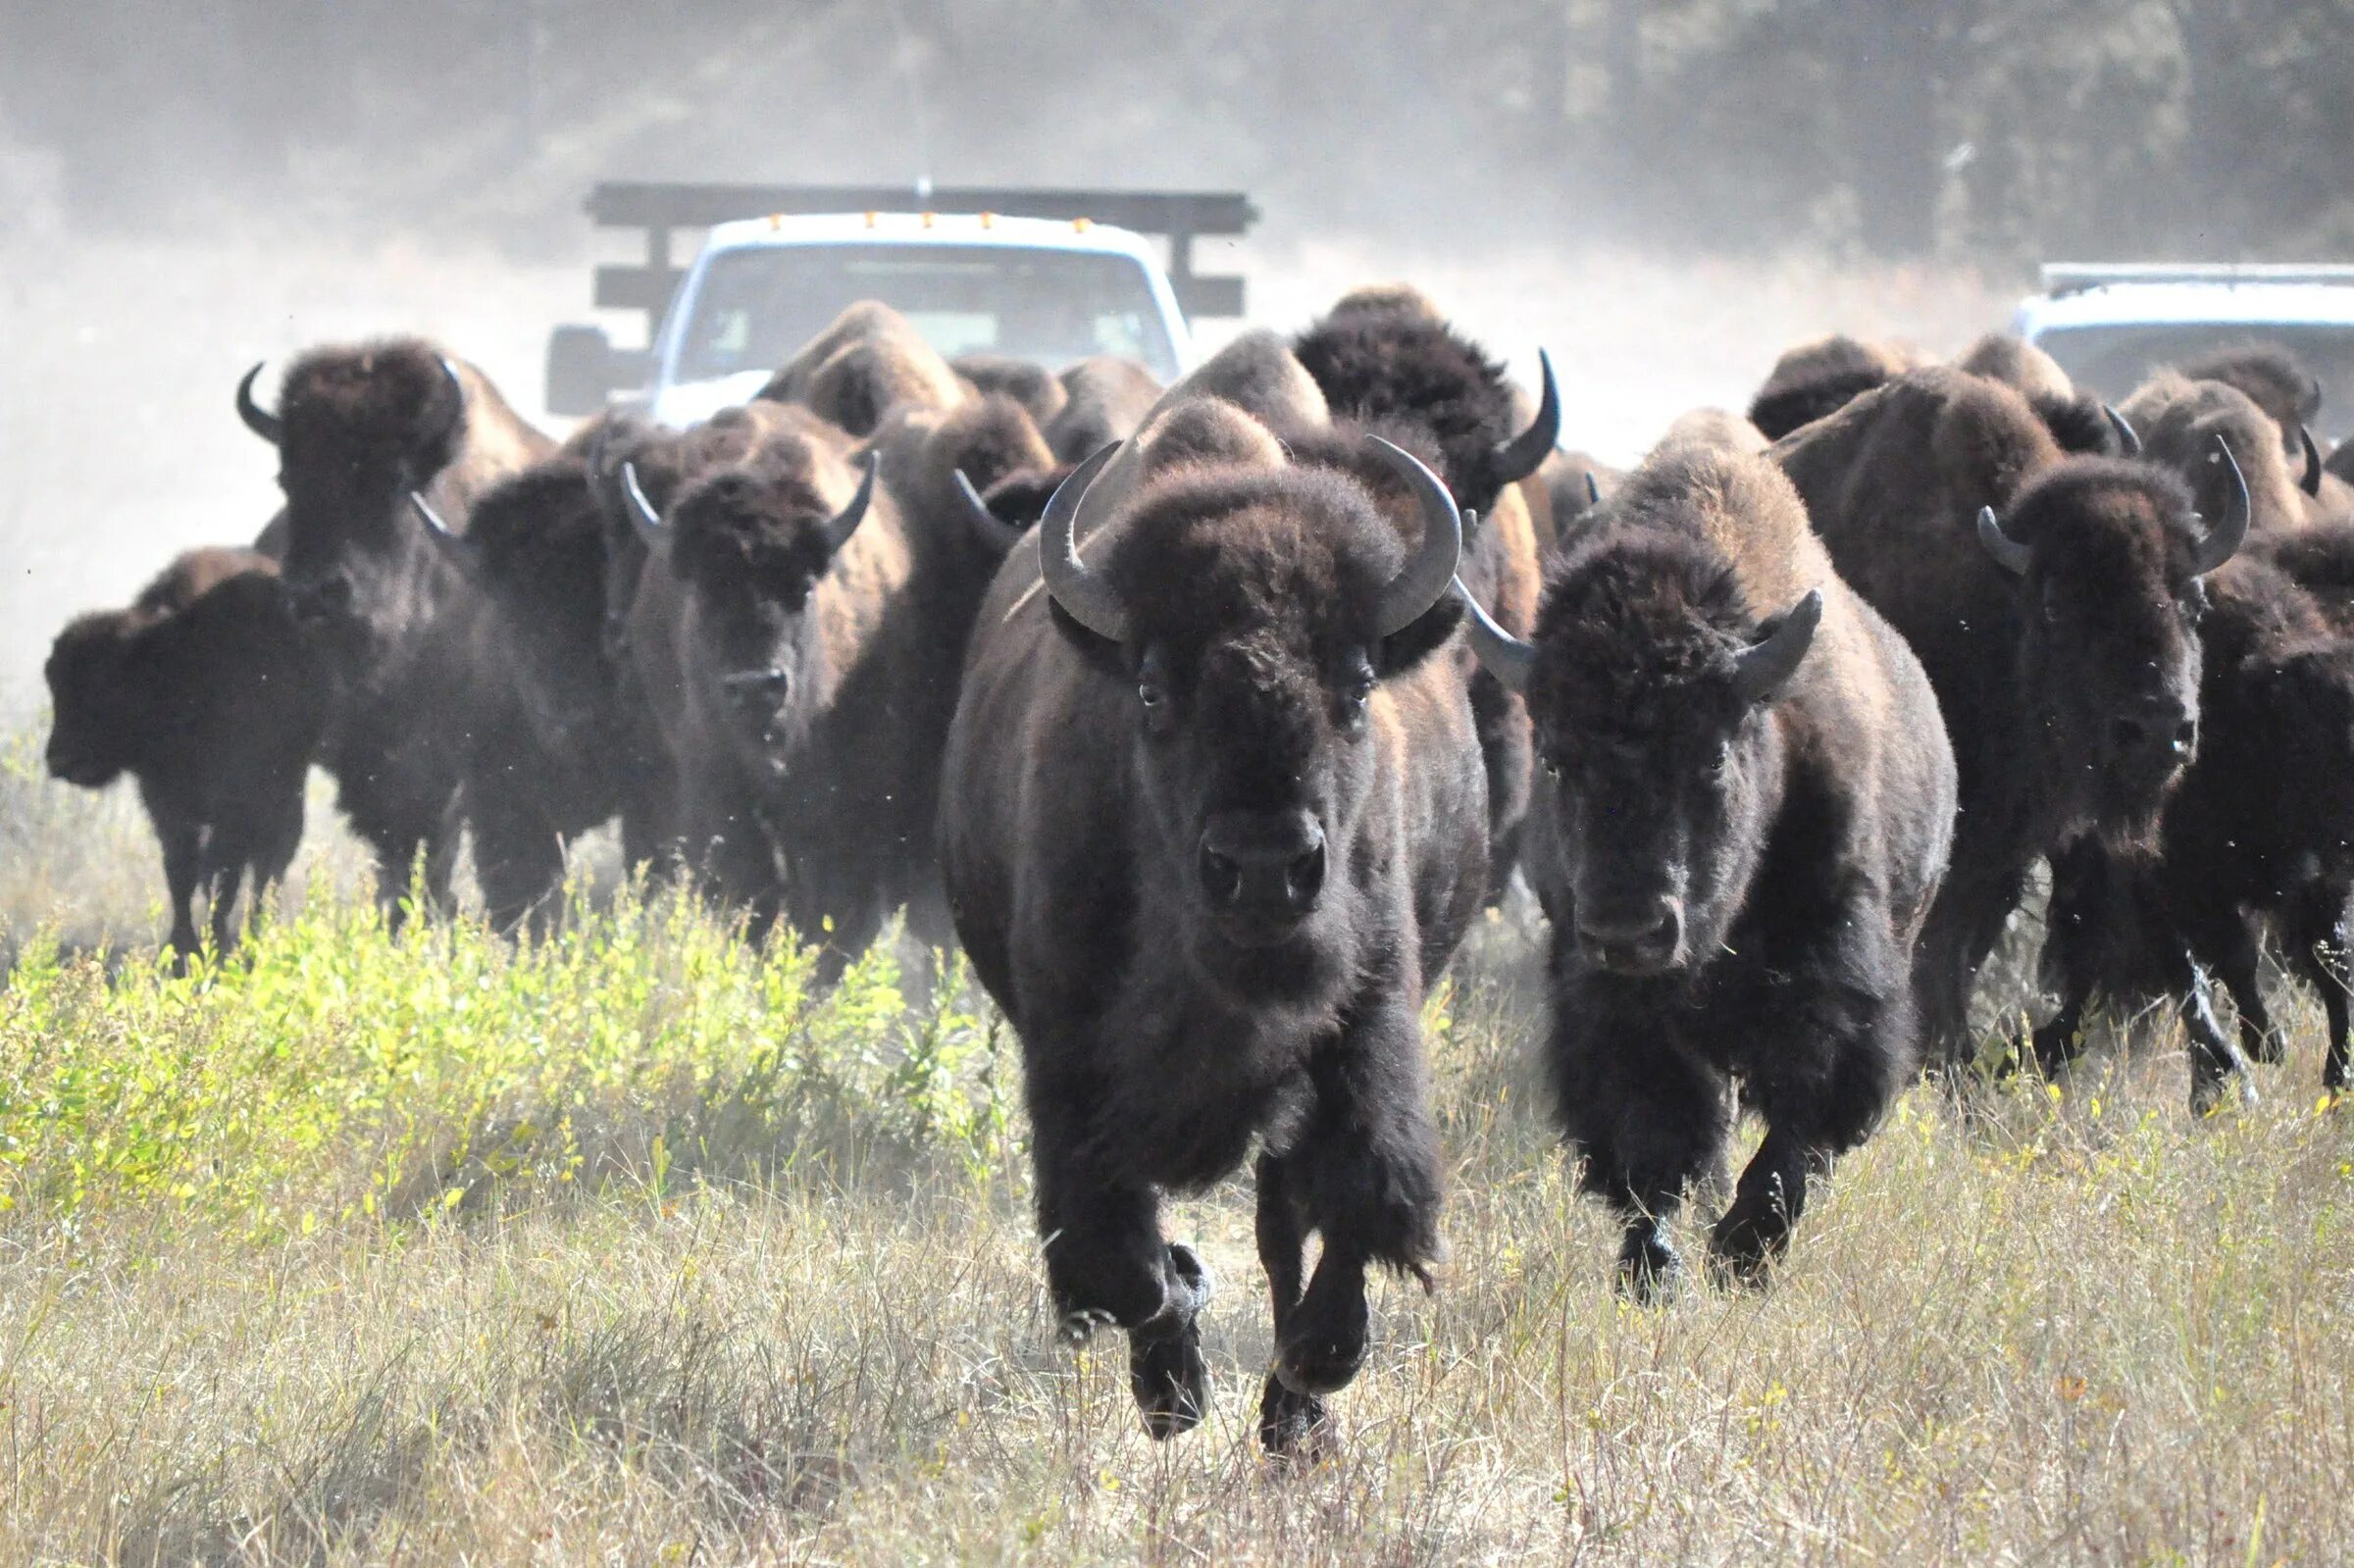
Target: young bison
x: 207, y: 693
x: 1747, y: 806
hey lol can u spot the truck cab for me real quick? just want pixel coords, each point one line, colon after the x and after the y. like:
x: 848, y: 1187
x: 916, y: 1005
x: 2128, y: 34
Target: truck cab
x: 2110, y: 325
x: 1048, y: 289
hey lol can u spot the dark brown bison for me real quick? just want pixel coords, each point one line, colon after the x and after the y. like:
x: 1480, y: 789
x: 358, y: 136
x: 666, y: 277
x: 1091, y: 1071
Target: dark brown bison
x: 1746, y: 812
x: 1039, y: 391
x: 2054, y: 601
x: 2261, y: 832
x: 1105, y: 399
x: 1820, y: 376
x: 1212, y: 816
x: 2078, y: 421
x: 2186, y: 426
x: 358, y: 432
x: 2271, y: 377
x: 868, y: 361
x: 2321, y: 559
x: 209, y: 691
x: 1409, y: 367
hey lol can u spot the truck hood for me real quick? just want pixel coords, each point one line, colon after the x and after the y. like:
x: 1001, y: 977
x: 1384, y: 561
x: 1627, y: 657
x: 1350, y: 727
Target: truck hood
x: 684, y: 404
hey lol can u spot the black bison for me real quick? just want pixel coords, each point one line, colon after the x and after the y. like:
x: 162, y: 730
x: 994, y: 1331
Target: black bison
x: 1747, y: 805
x: 359, y: 432
x: 2054, y: 601
x: 1212, y: 816
x: 2259, y: 831
x: 208, y: 690
x: 1820, y: 376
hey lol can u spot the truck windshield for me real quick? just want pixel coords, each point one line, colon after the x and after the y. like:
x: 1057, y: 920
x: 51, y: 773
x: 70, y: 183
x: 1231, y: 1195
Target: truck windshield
x: 753, y: 308
x: 2115, y: 358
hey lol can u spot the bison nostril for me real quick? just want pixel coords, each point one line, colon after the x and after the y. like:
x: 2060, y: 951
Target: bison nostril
x: 1221, y: 877
x: 2128, y: 735
x: 2186, y: 735
x: 1303, y: 878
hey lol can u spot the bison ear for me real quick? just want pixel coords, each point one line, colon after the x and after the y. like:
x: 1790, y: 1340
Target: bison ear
x: 1401, y: 650
x: 1098, y: 650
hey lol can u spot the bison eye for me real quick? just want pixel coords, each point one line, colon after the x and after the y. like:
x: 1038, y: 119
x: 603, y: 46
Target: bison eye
x: 1721, y: 759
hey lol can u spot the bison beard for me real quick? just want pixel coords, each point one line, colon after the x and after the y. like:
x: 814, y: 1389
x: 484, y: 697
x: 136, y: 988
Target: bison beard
x: 1742, y: 824
x: 1212, y: 817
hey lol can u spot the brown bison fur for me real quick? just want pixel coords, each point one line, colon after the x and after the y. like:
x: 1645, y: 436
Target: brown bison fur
x: 1388, y: 299
x: 1090, y: 792
x: 209, y: 693
x: 2179, y: 421
x: 2070, y: 691
x: 2077, y: 421
x: 1820, y: 376
x: 1040, y: 392
x: 1711, y: 428
x: 1734, y: 865
x: 1559, y: 495
x: 2259, y: 831
x: 867, y: 362
x: 2270, y: 378
x: 1106, y: 399
x: 2321, y: 559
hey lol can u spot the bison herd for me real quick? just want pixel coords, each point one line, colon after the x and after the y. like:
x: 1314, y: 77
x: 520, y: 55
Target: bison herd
x: 1207, y: 718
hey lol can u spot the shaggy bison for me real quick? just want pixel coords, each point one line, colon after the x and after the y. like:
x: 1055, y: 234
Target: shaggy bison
x: 1745, y: 811
x: 2186, y: 426
x: 1820, y: 376
x: 358, y: 432
x: 1212, y: 816
x: 208, y: 692
x: 2054, y: 602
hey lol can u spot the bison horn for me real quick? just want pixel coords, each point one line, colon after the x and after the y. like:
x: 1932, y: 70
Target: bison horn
x: 2128, y: 439
x: 451, y: 543
x: 2012, y: 555
x: 1085, y: 595
x: 259, y: 420
x: 642, y: 516
x: 1422, y: 581
x: 1593, y: 489
x: 1764, y: 667
x: 457, y: 389
x: 845, y: 523
x: 1519, y: 457
x: 2224, y: 540
x: 992, y: 531
x: 2311, y: 484
x: 1503, y: 655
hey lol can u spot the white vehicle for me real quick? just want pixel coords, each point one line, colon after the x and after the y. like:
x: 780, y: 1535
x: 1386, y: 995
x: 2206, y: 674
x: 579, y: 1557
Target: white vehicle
x: 1048, y: 289
x: 2110, y: 326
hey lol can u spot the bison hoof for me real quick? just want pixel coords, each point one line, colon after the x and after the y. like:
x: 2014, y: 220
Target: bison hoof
x: 1190, y: 1284
x: 1295, y: 1425
x: 1170, y: 1380
x: 1649, y: 1268
x: 1077, y: 1328
x: 2213, y: 1089
x: 1743, y: 1248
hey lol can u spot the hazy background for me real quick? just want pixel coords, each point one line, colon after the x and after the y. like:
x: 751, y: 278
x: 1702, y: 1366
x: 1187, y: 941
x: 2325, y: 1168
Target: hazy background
x: 1662, y: 194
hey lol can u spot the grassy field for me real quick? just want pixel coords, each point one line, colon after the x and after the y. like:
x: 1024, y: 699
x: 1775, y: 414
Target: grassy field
x: 623, y: 1248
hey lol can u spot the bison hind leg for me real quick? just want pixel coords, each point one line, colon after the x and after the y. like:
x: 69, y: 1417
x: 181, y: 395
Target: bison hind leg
x: 1295, y: 1425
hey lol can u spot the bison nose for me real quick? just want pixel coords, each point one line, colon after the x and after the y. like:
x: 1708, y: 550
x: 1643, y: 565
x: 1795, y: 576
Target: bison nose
x: 1640, y: 936
x: 1263, y: 863
x: 2158, y: 729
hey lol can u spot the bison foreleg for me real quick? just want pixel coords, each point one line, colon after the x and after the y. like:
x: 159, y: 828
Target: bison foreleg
x: 2224, y: 940
x: 2319, y: 948
x: 1289, y: 1422
x: 1755, y: 1231
x: 184, y: 859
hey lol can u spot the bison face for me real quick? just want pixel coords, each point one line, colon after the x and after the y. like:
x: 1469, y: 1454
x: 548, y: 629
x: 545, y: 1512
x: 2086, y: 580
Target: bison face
x: 1254, y: 617
x: 95, y: 692
x: 1652, y: 688
x: 2109, y: 558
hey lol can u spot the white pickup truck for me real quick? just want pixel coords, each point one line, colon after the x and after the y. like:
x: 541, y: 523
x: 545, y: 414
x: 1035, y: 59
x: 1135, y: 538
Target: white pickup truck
x: 1046, y: 282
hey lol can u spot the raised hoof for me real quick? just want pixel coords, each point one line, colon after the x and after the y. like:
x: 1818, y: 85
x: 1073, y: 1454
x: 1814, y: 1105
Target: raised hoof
x: 1190, y: 1284
x: 1324, y: 1343
x: 1743, y: 1250
x: 2217, y: 1088
x: 1170, y: 1382
x: 1648, y: 1269
x: 1295, y: 1425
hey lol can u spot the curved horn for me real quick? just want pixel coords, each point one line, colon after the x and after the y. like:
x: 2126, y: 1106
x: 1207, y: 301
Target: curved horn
x: 1085, y: 596
x: 642, y: 516
x: 1766, y: 667
x: 1593, y: 489
x: 1519, y: 457
x: 259, y: 420
x: 2128, y: 439
x: 2012, y: 555
x: 990, y: 530
x: 2223, y: 542
x: 451, y: 543
x: 845, y: 523
x: 2311, y: 484
x: 1422, y: 581
x: 1503, y: 655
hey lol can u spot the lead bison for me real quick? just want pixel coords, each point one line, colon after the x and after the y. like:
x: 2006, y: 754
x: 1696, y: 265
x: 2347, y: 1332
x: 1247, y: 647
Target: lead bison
x: 1212, y: 816
x: 2054, y: 602
x: 207, y: 690
x: 1747, y: 807
x: 359, y: 432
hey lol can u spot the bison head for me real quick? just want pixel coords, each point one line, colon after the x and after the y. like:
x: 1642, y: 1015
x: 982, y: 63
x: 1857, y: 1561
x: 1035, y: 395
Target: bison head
x: 1256, y: 613
x: 97, y: 695
x: 1652, y: 681
x: 2108, y: 556
x: 750, y: 543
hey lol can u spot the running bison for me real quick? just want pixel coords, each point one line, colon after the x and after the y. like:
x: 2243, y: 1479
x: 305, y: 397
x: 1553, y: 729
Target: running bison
x: 208, y: 692
x: 1746, y: 804
x: 2186, y: 426
x: 1212, y: 816
x: 2260, y: 832
x: 359, y: 432
x: 2054, y: 602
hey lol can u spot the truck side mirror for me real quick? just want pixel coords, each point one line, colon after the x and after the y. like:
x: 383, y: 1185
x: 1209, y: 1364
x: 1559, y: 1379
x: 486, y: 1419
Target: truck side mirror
x: 585, y: 369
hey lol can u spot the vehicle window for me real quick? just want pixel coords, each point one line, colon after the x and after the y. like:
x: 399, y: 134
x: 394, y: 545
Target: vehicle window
x: 2114, y: 359
x: 754, y: 308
